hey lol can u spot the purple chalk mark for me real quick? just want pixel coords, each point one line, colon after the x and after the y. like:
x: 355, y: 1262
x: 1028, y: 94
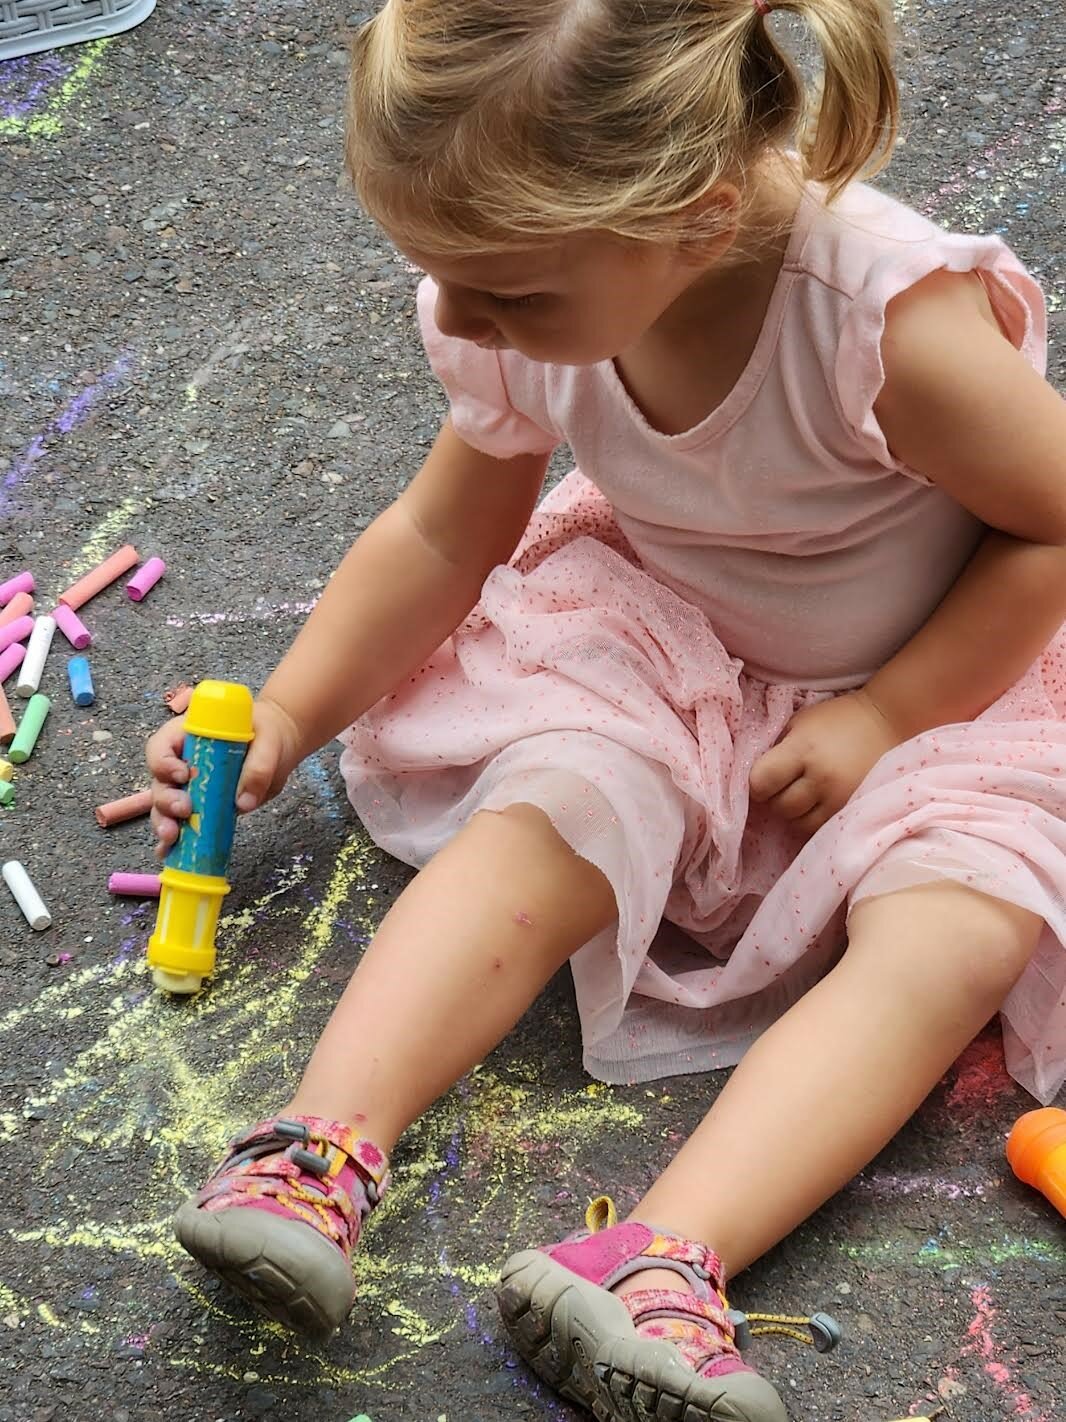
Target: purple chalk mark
x: 67, y: 419
x: 39, y: 73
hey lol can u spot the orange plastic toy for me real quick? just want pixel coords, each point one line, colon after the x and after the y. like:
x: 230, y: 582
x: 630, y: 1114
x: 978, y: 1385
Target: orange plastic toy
x: 1037, y: 1153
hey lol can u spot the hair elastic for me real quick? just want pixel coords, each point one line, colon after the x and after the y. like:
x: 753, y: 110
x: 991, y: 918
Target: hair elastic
x: 762, y: 7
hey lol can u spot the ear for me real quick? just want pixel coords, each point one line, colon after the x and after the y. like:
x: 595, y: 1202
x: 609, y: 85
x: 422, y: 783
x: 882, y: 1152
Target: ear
x: 708, y: 227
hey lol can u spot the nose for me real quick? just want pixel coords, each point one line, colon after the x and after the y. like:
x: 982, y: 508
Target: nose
x: 459, y: 317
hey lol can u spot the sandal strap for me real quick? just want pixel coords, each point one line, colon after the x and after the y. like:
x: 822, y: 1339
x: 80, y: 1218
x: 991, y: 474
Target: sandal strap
x: 319, y: 1170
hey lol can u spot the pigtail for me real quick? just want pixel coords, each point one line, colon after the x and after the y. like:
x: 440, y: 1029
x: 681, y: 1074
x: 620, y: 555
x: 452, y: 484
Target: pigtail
x: 849, y: 131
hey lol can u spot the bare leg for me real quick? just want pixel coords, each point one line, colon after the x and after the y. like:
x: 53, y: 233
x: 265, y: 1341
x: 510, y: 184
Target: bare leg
x: 828, y: 1085
x: 457, y: 960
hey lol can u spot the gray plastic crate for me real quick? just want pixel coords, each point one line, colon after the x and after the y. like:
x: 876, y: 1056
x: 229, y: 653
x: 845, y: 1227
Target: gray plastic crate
x: 29, y: 26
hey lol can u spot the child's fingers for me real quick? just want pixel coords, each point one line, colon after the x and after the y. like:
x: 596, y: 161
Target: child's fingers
x: 163, y: 754
x: 166, y: 832
x: 797, y: 799
x: 775, y: 771
x: 260, y: 768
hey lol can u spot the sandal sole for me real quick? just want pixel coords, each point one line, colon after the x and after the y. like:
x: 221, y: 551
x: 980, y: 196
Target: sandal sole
x: 581, y: 1341
x: 283, y: 1268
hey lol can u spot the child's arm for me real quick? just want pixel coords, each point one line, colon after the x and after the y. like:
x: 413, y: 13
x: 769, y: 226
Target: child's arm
x: 400, y: 591
x: 961, y: 405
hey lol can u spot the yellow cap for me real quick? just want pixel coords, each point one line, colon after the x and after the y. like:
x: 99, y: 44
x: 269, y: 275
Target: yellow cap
x: 221, y: 710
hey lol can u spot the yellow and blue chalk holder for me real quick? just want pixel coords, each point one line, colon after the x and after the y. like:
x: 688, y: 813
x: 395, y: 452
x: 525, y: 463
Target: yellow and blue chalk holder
x: 193, y: 883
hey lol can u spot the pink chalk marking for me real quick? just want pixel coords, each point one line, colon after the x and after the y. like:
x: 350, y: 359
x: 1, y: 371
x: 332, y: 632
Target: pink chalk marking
x: 16, y: 631
x: 981, y: 1077
x: 101, y: 577
x: 72, y: 627
x: 21, y: 605
x: 145, y: 579
x: 10, y: 658
x: 996, y: 1365
x: 21, y: 582
x: 137, y: 886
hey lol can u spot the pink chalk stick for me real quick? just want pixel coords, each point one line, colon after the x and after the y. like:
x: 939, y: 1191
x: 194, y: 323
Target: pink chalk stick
x: 145, y: 579
x: 136, y: 886
x: 72, y: 627
x: 10, y: 658
x: 16, y: 631
x: 21, y: 605
x: 22, y: 582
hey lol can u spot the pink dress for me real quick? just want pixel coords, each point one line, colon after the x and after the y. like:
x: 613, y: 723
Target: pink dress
x: 673, y: 602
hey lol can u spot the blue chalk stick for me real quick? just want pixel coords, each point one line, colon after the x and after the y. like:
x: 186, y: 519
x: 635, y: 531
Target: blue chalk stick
x: 81, y: 681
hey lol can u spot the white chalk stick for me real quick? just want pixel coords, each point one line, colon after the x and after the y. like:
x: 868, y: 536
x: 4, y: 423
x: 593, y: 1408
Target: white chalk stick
x: 36, y: 655
x: 26, y: 896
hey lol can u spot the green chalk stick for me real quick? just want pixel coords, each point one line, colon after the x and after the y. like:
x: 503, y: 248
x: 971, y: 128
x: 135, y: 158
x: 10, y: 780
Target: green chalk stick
x: 7, y: 793
x: 33, y: 718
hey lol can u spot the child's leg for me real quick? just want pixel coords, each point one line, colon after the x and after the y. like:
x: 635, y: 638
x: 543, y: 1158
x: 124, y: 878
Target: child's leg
x: 813, y: 1100
x: 825, y: 1088
x: 457, y: 960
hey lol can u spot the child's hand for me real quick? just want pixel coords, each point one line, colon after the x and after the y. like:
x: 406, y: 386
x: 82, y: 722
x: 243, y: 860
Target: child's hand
x: 826, y: 753
x: 271, y: 759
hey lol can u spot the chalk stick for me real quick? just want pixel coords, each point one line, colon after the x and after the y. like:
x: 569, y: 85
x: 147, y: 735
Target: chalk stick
x: 178, y: 699
x: 10, y: 658
x: 145, y: 579
x: 7, y: 794
x: 21, y: 605
x: 101, y: 577
x: 26, y: 896
x: 72, y: 628
x: 29, y: 728
x: 81, y: 681
x: 29, y: 680
x: 130, y: 807
x: 21, y: 582
x: 136, y: 886
x: 6, y: 771
x: 7, y: 721
x: 16, y: 631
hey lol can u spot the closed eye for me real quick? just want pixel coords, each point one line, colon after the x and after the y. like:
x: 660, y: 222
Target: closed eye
x: 517, y: 300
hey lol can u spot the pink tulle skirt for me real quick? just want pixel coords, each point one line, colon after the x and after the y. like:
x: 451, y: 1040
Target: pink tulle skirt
x: 582, y: 685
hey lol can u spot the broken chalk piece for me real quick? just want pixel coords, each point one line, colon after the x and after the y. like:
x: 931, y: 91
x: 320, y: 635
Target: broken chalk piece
x: 178, y: 698
x: 81, y: 681
x: 10, y: 658
x: 6, y: 772
x: 109, y: 570
x: 29, y: 728
x: 36, y: 654
x: 16, y: 631
x: 21, y: 605
x: 130, y: 807
x: 7, y: 721
x: 145, y: 579
x: 21, y: 582
x: 136, y: 886
x: 72, y: 628
x: 26, y: 896
x: 7, y: 794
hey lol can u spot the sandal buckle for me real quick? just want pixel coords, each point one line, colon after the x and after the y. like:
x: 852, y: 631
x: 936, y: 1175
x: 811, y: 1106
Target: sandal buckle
x: 311, y: 1162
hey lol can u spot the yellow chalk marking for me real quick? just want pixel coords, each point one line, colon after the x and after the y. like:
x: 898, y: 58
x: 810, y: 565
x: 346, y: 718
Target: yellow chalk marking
x: 49, y: 123
x: 100, y: 542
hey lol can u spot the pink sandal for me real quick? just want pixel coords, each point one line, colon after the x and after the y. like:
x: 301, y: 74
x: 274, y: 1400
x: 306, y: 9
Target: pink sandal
x: 653, y: 1355
x: 279, y: 1219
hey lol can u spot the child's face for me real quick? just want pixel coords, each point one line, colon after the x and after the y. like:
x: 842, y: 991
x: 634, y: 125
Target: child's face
x: 574, y: 302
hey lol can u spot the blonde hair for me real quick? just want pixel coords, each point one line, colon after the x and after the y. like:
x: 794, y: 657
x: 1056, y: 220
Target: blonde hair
x: 476, y: 124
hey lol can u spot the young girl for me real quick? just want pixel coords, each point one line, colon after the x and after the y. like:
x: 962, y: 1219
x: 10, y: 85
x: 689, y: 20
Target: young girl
x: 781, y: 655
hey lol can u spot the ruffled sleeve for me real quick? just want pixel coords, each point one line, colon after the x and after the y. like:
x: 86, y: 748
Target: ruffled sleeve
x: 860, y: 374
x: 473, y: 379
